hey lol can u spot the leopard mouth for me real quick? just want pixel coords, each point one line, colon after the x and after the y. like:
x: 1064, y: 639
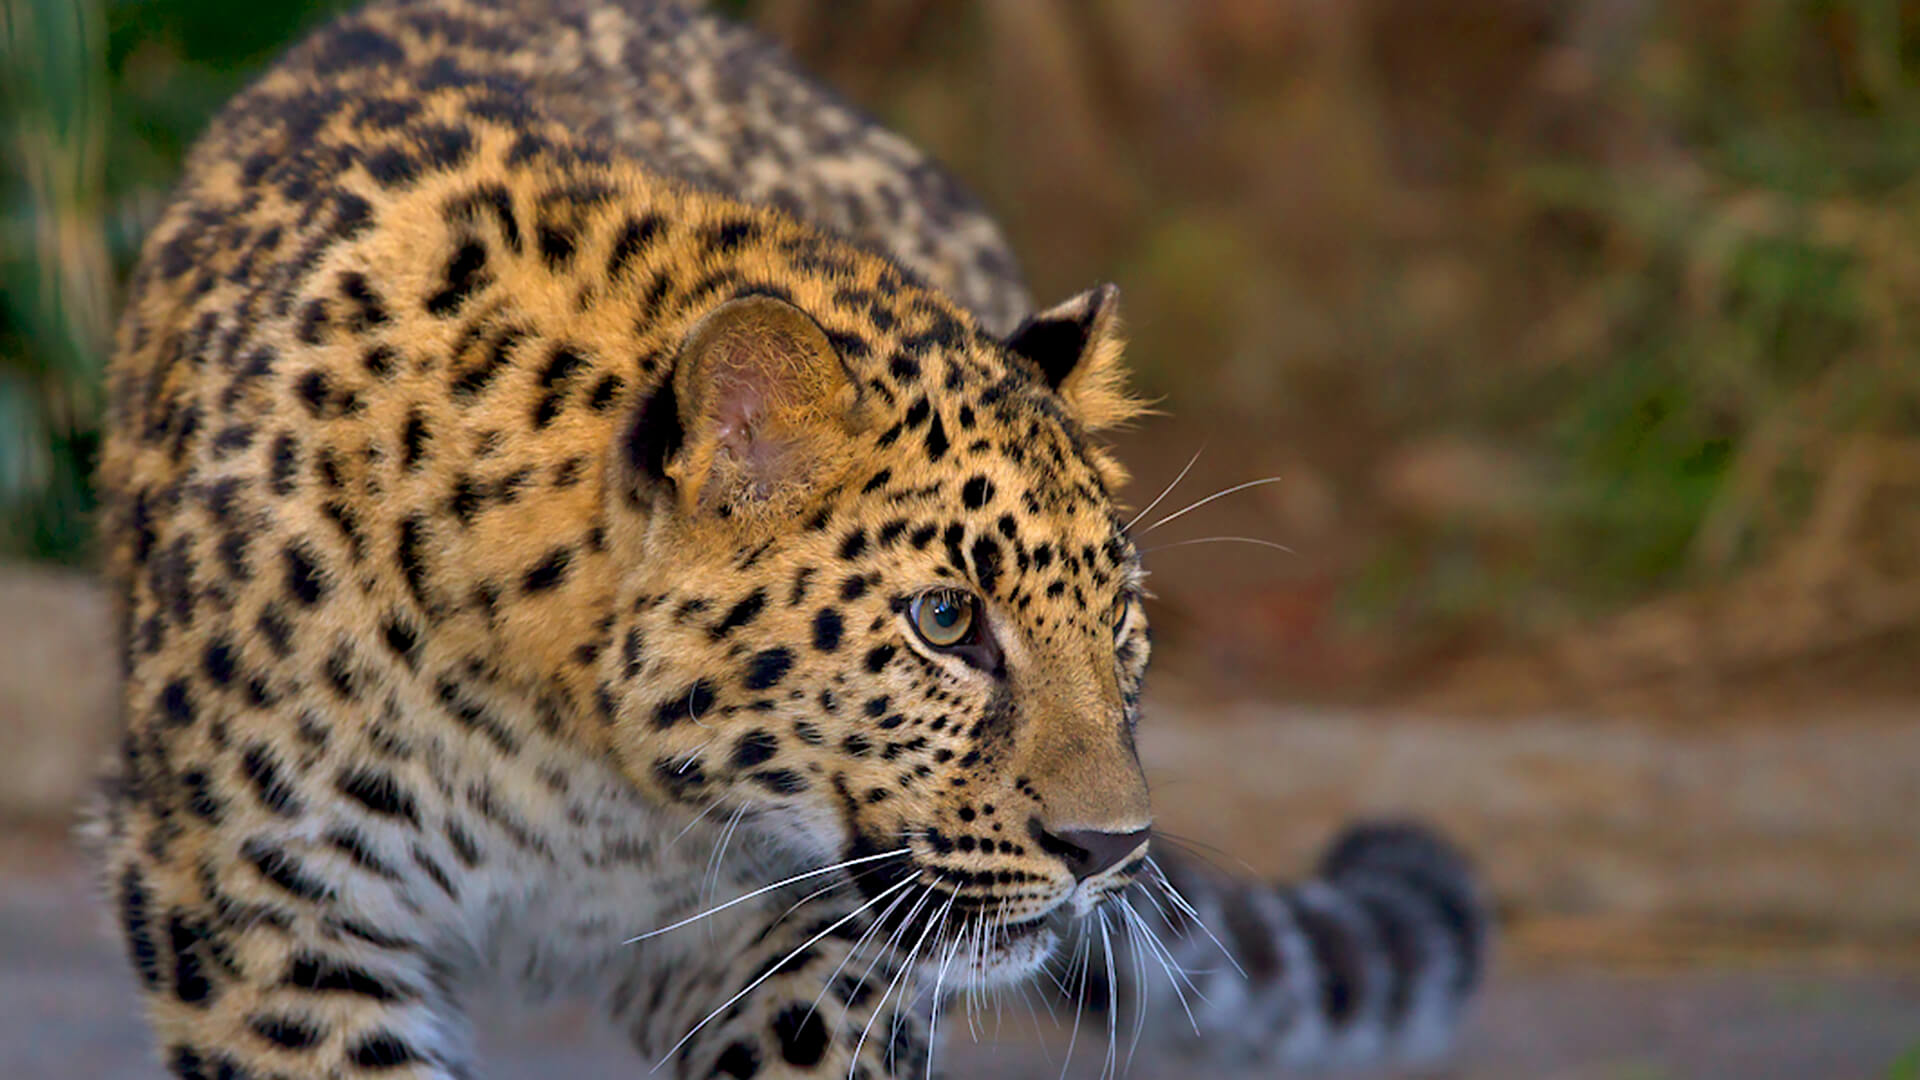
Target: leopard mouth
x: 963, y: 939
x: 1011, y: 953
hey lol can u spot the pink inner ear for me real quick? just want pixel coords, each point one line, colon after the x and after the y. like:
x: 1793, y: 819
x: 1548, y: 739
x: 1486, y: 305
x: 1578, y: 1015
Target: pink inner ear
x: 740, y: 429
x: 741, y: 405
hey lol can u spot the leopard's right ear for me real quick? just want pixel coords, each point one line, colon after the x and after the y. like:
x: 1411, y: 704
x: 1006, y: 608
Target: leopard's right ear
x: 758, y: 412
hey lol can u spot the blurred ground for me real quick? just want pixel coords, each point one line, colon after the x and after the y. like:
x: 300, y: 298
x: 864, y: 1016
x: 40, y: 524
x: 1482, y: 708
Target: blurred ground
x: 72, y: 1013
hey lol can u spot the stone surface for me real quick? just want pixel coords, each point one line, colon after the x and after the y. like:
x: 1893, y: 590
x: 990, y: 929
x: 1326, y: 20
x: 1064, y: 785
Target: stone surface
x: 57, y: 689
x: 1809, y: 825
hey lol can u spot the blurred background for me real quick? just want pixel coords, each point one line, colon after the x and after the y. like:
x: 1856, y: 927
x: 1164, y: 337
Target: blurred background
x: 1582, y: 338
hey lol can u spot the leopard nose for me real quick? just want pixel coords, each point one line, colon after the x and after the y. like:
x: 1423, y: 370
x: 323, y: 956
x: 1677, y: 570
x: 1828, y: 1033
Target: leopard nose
x: 1090, y: 852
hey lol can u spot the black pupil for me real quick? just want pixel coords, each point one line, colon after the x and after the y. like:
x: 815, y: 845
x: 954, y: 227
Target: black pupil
x: 946, y: 612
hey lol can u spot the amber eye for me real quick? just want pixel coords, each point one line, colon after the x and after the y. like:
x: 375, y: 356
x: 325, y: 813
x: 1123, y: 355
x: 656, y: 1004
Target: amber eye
x: 944, y: 618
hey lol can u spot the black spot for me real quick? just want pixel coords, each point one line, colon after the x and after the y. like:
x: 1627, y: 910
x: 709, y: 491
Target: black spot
x: 465, y: 274
x: 730, y: 235
x: 634, y: 238
x: 443, y: 147
x: 466, y: 500
x: 379, y: 792
x: 176, y: 704
x: 311, y: 971
x: 285, y: 462
x: 313, y: 322
x: 464, y: 847
x: 391, y: 166
x: 312, y: 389
x: 740, y: 1060
x: 401, y: 637
x: 742, y: 613
x: 937, y: 443
x: 561, y: 366
x: 767, y: 668
x: 550, y: 572
x: 413, y: 440
x: 879, y: 657
x: 379, y: 361
x: 802, y: 1034
x: 986, y: 562
x: 263, y: 770
x: 136, y: 922
x: 275, y: 630
x: 854, y: 544
x: 780, y: 781
x: 190, y: 982
x: 303, y: 576
x: 976, y: 493
x: 408, y: 552
x: 290, y: 1032
x: 383, y: 1050
x: 556, y: 243
x: 284, y: 870
x: 497, y: 201
x: 826, y: 630
x: 693, y: 703
x: 601, y: 397
x: 754, y: 748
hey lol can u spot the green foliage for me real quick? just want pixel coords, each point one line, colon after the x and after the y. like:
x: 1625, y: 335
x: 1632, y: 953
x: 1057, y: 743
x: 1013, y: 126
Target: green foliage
x: 101, y: 102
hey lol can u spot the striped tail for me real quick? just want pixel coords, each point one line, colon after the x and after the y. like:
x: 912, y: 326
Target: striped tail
x: 1369, y: 962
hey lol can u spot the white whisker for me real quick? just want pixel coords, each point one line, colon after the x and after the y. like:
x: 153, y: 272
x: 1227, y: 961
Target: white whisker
x: 1110, y: 1066
x: 1192, y: 506
x: 764, y: 889
x: 933, y: 1024
x: 906, y: 966
x: 1084, y: 962
x: 769, y: 973
x: 810, y: 898
x: 1157, y: 950
x: 1181, y: 902
x: 1165, y: 491
x: 1127, y: 917
x: 1220, y: 540
x: 714, y: 861
x: 688, y: 827
x: 852, y: 951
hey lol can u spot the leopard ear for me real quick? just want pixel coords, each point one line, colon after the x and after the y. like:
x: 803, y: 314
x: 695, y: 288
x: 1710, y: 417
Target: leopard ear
x: 1077, y: 345
x: 759, y: 411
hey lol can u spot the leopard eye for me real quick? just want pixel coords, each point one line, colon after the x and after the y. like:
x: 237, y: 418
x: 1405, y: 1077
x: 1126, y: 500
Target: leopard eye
x: 944, y: 618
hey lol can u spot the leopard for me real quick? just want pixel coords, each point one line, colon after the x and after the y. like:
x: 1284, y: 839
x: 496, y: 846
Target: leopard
x: 588, y: 507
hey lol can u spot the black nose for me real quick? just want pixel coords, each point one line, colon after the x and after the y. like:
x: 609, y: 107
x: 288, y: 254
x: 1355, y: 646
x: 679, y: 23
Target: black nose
x: 1088, y: 852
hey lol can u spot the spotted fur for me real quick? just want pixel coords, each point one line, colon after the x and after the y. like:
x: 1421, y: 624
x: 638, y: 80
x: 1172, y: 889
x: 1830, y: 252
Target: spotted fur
x: 534, y: 426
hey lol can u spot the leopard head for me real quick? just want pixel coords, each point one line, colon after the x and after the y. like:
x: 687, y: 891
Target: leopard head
x: 879, y: 600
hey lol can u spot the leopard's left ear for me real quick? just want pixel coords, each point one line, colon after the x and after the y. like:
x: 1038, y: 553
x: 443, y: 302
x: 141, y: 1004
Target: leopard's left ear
x: 756, y: 416
x: 1077, y: 345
